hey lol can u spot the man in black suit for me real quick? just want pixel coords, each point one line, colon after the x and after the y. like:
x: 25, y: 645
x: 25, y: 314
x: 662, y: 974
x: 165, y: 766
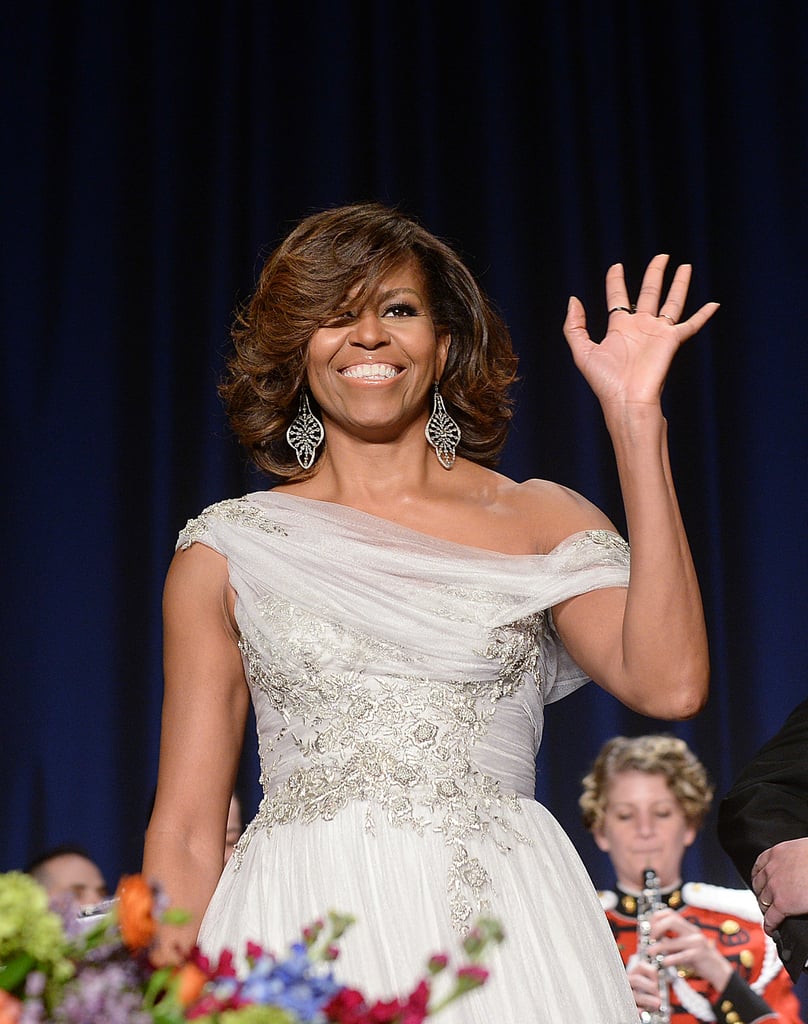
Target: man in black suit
x: 763, y: 826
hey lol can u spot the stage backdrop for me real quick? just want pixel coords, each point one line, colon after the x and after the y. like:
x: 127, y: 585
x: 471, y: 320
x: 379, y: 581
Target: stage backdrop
x: 155, y: 150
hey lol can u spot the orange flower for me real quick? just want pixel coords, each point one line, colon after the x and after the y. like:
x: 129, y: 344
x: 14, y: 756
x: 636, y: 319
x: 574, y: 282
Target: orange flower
x: 10, y: 1008
x: 135, y: 902
x: 190, y: 982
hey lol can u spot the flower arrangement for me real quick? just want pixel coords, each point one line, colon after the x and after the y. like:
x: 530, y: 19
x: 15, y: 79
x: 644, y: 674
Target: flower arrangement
x: 53, y: 970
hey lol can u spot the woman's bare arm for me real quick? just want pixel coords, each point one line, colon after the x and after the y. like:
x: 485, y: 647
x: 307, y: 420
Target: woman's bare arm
x: 204, y: 712
x: 648, y: 645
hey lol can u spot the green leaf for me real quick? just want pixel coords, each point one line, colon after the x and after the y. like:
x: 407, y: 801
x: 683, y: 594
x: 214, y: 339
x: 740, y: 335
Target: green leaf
x: 15, y: 971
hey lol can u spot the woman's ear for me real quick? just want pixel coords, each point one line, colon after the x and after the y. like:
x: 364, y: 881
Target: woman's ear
x: 600, y: 839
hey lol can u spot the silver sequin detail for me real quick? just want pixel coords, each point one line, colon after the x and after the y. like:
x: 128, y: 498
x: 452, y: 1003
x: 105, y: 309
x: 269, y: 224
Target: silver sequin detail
x: 399, y: 746
x: 232, y: 510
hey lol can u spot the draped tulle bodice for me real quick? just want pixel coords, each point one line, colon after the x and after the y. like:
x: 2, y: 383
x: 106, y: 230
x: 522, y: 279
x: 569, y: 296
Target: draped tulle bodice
x: 399, y: 684
x: 389, y: 665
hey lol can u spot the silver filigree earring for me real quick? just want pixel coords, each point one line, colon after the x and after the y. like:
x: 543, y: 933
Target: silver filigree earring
x: 305, y: 433
x: 442, y: 432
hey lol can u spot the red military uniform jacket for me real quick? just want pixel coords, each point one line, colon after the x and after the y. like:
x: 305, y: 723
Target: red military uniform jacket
x: 760, y: 990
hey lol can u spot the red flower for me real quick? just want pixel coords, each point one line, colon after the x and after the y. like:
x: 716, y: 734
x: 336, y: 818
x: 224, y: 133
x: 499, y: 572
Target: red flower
x: 225, y: 968
x: 346, y: 1007
x: 415, y: 1009
x: 254, y: 951
x: 384, y: 1013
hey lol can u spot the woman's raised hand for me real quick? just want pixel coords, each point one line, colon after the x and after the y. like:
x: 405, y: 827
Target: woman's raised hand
x: 630, y: 364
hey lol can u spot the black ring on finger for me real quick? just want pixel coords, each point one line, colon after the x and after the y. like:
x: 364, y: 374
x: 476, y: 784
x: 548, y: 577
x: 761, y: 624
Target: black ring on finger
x: 622, y: 309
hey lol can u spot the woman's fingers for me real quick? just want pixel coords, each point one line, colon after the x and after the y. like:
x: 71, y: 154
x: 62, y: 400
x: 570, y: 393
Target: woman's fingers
x: 696, y: 321
x: 575, y: 329
x: 651, y: 287
x: 650, y: 300
x: 674, y: 304
x: 616, y: 292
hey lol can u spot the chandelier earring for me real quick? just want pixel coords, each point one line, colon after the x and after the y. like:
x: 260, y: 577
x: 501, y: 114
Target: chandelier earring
x: 305, y: 432
x: 442, y: 432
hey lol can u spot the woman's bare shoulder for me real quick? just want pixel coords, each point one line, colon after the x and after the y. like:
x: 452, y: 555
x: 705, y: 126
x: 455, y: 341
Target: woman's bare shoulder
x: 553, y: 510
x: 198, y: 583
x: 197, y: 562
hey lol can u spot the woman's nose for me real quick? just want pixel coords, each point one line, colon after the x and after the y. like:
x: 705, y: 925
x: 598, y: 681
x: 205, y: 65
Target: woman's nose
x: 645, y: 824
x: 368, y: 331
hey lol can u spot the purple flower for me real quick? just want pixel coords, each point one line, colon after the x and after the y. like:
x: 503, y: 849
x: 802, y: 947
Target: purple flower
x: 103, y: 994
x: 35, y: 984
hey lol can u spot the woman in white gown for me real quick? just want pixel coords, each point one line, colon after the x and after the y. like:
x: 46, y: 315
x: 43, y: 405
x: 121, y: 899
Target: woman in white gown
x: 399, y: 614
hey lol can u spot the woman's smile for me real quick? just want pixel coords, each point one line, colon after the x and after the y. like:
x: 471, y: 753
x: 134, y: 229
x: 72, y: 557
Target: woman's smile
x: 371, y: 371
x: 373, y: 363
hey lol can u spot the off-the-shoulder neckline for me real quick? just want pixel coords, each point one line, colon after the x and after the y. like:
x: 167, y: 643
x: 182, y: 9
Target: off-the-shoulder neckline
x: 427, y: 539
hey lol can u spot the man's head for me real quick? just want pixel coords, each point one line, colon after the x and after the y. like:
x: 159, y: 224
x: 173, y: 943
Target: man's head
x: 65, y: 870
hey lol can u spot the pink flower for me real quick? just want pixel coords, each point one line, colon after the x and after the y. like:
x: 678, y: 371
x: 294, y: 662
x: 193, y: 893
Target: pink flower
x: 471, y: 976
x: 437, y: 963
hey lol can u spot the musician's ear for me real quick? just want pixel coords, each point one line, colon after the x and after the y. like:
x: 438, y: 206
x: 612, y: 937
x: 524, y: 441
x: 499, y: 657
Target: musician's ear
x: 600, y: 838
x: 690, y: 835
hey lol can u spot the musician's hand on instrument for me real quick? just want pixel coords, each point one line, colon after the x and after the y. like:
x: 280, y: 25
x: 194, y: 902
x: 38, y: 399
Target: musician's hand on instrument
x: 644, y: 980
x: 686, y: 948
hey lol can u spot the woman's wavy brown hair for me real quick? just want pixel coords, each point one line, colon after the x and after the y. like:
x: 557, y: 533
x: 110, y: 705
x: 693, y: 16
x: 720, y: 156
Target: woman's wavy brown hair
x: 308, y: 277
x: 654, y: 754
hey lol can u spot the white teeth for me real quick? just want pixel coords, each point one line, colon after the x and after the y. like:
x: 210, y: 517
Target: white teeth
x: 370, y: 371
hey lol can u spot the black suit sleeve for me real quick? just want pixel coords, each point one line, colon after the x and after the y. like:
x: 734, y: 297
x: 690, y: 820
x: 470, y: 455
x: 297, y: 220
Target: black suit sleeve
x: 768, y: 804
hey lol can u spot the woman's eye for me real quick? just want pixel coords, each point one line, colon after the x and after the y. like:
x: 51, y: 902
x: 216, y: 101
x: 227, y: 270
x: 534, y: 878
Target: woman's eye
x: 340, y: 318
x: 400, y: 309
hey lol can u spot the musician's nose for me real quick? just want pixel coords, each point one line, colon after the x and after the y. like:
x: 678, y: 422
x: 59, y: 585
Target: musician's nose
x: 645, y: 824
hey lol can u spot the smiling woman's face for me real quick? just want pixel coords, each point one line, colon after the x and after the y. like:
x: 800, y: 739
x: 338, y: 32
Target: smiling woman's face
x: 371, y: 369
x: 644, y: 826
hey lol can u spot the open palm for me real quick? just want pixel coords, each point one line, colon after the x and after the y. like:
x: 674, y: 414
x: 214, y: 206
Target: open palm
x: 632, y: 361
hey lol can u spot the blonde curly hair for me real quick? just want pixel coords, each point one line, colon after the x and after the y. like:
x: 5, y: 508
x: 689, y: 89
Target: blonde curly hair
x: 655, y: 754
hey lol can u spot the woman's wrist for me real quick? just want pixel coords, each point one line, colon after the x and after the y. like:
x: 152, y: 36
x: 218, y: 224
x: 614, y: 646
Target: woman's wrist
x: 635, y: 421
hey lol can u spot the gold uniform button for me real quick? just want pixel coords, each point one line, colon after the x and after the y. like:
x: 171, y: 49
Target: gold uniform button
x: 733, y: 1018
x: 726, y: 1006
x: 629, y: 904
x: 747, y: 958
x: 730, y: 927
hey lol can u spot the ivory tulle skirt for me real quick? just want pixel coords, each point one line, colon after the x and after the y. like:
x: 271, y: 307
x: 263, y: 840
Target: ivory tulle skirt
x: 558, y: 963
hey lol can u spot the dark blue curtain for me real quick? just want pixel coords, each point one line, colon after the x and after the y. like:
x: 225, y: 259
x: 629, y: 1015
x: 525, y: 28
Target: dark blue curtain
x: 153, y: 151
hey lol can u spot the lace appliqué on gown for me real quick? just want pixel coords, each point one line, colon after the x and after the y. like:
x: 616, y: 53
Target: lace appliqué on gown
x: 402, y: 746
x: 517, y: 646
x: 231, y: 510
x: 396, y: 740
x: 615, y: 548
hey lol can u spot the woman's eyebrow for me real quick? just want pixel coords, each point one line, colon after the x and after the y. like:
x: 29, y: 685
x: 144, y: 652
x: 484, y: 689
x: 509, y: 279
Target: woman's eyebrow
x: 397, y: 291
